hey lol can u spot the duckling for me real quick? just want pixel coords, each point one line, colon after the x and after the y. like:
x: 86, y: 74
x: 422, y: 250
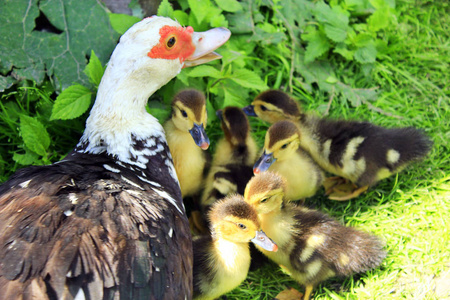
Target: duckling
x: 222, y: 259
x: 283, y: 154
x: 272, y: 106
x: 312, y: 247
x: 187, y: 139
x: 360, y: 152
x: 233, y: 159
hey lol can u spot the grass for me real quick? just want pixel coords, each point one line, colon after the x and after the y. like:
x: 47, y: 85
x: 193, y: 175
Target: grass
x: 409, y: 211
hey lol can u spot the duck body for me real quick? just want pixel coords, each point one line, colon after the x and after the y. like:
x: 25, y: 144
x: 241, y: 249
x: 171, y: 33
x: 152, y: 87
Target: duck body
x: 75, y: 219
x: 108, y: 222
x: 222, y: 258
x: 312, y: 247
x: 284, y: 155
x: 360, y: 151
x: 235, y: 154
x: 187, y: 148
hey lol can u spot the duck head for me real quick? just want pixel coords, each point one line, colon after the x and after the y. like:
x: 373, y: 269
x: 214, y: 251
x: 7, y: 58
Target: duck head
x: 149, y: 54
x: 235, y: 220
x: 273, y: 106
x: 265, y: 192
x: 234, y: 124
x: 282, y: 140
x: 189, y: 114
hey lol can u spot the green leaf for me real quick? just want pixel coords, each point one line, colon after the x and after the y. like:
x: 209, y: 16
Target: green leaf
x: 229, y: 5
x: 341, y: 49
x: 199, y: 8
x: 25, y: 159
x: 366, y: 54
x: 31, y: 53
x: 331, y: 80
x: 5, y: 83
x: 94, y: 69
x: 203, y: 71
x: 248, y: 79
x: 318, y: 45
x: 121, y: 22
x: 354, y: 96
x: 159, y: 110
x: 71, y: 103
x: 34, y: 135
x: 379, y: 19
x: 378, y: 3
x: 231, y: 99
x: 335, y: 34
x: 181, y: 17
x: 165, y: 9
x: 362, y: 40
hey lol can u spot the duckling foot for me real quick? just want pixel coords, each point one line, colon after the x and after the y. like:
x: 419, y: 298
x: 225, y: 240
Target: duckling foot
x: 289, y: 294
x: 331, y: 182
x: 197, y: 224
x: 346, y: 191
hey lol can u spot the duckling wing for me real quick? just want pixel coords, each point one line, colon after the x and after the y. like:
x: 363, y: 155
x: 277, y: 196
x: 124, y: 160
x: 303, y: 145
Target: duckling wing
x: 73, y: 229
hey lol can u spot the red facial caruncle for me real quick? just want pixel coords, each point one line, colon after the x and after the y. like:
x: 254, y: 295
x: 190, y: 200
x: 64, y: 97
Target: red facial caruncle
x: 175, y: 42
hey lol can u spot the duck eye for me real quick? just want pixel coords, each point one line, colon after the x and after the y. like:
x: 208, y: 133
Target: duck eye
x: 263, y: 200
x: 184, y: 113
x: 284, y: 146
x: 242, y: 226
x: 263, y: 108
x: 171, y: 42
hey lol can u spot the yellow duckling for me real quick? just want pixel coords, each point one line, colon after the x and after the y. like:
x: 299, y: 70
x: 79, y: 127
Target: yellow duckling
x: 357, y: 151
x: 312, y: 247
x: 222, y: 259
x: 235, y: 155
x: 283, y: 154
x: 185, y: 132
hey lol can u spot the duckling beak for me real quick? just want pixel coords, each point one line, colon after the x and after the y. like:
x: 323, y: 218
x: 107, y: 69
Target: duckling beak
x: 262, y: 240
x: 263, y: 163
x: 205, y: 43
x: 199, y: 135
x: 250, y: 111
x: 219, y: 114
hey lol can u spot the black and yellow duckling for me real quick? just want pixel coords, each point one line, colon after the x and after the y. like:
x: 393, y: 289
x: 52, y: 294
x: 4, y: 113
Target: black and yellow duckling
x: 312, y: 247
x: 357, y: 151
x: 222, y: 259
x: 283, y: 154
x: 233, y: 159
x: 186, y: 136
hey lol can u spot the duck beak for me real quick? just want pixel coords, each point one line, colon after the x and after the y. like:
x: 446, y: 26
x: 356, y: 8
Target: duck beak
x: 199, y: 135
x: 250, y: 111
x: 205, y: 43
x: 262, y: 240
x: 263, y: 163
x: 219, y: 114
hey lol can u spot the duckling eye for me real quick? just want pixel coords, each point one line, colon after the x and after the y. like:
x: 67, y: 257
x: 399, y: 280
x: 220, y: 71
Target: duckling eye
x: 171, y: 42
x: 284, y: 146
x: 263, y: 108
x: 242, y: 226
x: 184, y: 113
x: 263, y: 200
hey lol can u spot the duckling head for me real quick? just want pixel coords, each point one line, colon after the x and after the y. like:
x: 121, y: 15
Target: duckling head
x: 265, y: 192
x: 273, y: 106
x: 282, y: 141
x: 234, y: 124
x: 189, y: 114
x: 235, y: 220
